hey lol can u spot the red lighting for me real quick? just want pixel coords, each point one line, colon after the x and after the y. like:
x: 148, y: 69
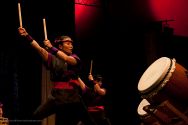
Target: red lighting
x: 171, y: 10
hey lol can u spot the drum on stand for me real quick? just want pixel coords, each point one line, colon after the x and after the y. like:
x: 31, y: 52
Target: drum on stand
x: 144, y: 116
x: 164, y: 80
x: 153, y: 115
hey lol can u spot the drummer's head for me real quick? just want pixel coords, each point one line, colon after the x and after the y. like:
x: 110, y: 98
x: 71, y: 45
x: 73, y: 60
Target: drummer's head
x: 64, y: 43
x: 98, y: 78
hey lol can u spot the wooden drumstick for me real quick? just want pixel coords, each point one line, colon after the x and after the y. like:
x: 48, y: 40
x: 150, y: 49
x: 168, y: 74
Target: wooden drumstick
x: 91, y: 67
x: 20, y: 15
x: 45, y: 31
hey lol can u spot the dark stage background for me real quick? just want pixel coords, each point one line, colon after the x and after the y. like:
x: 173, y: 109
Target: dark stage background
x: 122, y: 46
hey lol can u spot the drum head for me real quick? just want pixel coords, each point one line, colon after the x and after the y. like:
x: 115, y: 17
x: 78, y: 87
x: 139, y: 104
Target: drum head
x: 140, y: 109
x: 154, y: 74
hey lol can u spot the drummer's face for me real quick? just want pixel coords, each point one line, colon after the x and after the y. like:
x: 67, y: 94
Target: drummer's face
x: 66, y: 47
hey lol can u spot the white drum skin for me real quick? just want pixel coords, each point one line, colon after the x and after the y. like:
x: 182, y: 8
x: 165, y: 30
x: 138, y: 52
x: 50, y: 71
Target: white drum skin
x: 154, y: 74
x: 164, y: 79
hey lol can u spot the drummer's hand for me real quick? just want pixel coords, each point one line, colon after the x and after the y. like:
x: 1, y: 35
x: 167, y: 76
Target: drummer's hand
x: 47, y: 44
x: 90, y: 77
x: 22, y: 31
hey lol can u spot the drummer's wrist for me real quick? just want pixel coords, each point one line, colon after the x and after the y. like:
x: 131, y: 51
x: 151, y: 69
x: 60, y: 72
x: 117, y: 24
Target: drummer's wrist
x: 94, y: 82
x: 54, y: 50
x: 29, y: 38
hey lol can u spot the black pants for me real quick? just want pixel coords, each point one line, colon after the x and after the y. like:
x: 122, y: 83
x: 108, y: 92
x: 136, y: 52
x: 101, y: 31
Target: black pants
x: 68, y: 107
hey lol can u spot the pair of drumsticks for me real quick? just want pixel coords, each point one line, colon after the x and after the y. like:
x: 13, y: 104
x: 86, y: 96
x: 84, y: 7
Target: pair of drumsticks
x: 20, y: 21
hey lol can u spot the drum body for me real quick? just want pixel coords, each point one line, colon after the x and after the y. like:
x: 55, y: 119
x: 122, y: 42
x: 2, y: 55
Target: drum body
x: 165, y: 80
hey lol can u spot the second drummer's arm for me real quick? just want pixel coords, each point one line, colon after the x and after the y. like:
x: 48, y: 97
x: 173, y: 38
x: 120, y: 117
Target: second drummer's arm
x: 69, y: 59
x: 98, y: 89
